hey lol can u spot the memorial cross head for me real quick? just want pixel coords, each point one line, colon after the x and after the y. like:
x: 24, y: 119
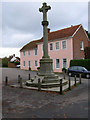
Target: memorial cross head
x: 44, y: 8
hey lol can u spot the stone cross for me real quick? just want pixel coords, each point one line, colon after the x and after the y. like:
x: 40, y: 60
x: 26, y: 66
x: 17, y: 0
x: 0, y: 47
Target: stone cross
x: 45, y: 23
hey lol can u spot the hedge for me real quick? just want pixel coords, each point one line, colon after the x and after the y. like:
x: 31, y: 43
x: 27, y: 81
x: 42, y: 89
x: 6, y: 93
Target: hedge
x: 82, y: 62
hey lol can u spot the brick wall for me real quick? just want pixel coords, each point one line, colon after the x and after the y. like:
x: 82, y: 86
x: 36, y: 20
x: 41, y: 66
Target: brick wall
x: 79, y: 36
x: 89, y: 43
x: 11, y: 65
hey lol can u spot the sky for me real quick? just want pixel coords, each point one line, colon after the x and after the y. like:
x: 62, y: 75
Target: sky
x: 21, y: 21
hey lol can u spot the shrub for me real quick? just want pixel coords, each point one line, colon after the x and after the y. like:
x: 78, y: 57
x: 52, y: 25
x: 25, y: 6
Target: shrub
x: 64, y: 70
x: 17, y: 63
x: 84, y: 63
x: 38, y: 68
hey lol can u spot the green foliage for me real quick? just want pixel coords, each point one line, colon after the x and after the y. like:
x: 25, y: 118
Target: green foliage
x: 5, y: 62
x: 38, y: 68
x: 16, y: 63
x: 64, y: 69
x: 87, y: 52
x: 84, y: 63
x: 89, y: 35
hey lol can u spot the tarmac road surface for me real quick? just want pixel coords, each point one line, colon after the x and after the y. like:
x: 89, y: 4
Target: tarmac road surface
x: 24, y: 103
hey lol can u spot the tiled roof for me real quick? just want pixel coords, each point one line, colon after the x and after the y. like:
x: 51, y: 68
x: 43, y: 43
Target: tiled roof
x: 66, y: 32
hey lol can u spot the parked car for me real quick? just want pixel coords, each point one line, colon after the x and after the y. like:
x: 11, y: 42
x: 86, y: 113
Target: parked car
x: 18, y: 66
x: 76, y: 70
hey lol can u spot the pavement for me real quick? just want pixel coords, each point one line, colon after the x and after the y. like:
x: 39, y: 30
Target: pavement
x: 26, y: 103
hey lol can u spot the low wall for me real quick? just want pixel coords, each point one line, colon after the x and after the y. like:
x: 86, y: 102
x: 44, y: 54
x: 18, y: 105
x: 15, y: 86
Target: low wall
x: 11, y: 65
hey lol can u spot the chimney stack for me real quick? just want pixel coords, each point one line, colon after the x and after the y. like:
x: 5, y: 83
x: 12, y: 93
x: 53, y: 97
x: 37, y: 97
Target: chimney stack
x: 48, y: 30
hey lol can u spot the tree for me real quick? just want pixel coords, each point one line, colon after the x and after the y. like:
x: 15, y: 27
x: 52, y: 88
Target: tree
x: 89, y: 35
x: 5, y: 62
x: 87, y: 52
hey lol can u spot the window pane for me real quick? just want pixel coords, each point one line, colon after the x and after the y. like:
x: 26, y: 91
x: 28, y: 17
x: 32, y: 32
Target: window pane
x: 81, y: 45
x: 57, y: 45
x: 28, y: 52
x: 64, y: 63
x: 57, y: 63
x: 23, y: 53
x: 29, y: 63
x: 24, y: 63
x: 35, y: 62
x: 63, y: 44
x: 35, y: 51
x: 51, y: 46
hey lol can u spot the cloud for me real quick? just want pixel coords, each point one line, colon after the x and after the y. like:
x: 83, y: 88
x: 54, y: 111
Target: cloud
x: 6, y: 52
x: 22, y: 20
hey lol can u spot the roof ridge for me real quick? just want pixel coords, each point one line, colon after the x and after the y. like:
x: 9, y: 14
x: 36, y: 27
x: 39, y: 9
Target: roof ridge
x: 65, y: 28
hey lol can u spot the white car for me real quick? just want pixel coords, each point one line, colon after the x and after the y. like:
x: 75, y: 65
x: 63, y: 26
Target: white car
x: 18, y: 66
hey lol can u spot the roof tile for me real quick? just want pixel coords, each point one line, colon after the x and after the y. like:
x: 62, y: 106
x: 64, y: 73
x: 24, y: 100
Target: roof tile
x: 66, y: 32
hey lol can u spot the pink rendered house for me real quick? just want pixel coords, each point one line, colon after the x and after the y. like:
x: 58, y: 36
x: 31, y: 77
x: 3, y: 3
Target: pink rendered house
x: 63, y: 45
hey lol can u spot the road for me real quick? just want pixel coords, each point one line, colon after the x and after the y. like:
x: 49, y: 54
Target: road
x: 24, y: 103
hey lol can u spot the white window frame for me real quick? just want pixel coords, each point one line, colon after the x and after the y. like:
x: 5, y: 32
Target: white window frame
x: 62, y: 45
x: 52, y: 46
x: 29, y: 64
x: 56, y: 65
x: 28, y: 52
x: 23, y: 52
x: 81, y: 45
x: 24, y: 63
x: 35, y: 63
x: 42, y: 48
x: 62, y: 62
x: 35, y: 51
x: 58, y: 44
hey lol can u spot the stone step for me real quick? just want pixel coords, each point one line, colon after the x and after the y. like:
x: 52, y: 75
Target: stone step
x: 47, y: 85
x: 50, y: 80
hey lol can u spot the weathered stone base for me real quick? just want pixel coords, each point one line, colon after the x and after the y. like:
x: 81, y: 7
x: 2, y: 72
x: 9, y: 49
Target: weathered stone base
x: 46, y: 67
x: 45, y: 81
x: 46, y: 75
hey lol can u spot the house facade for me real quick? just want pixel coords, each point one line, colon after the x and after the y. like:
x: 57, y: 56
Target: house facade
x: 63, y: 45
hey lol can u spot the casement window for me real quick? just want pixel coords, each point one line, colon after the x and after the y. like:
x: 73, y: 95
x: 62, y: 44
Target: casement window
x: 64, y: 63
x: 28, y: 52
x: 35, y: 63
x: 35, y: 51
x: 29, y: 64
x: 81, y: 45
x: 51, y: 46
x: 23, y: 63
x: 57, y: 63
x: 23, y: 52
x: 57, y: 45
x: 64, y: 44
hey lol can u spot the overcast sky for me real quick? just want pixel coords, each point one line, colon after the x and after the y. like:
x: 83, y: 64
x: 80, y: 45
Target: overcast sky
x: 21, y: 21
